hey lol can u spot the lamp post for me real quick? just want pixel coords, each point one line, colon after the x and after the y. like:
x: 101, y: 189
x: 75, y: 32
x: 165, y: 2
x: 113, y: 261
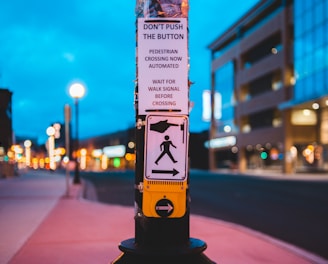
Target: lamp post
x: 67, y: 113
x: 76, y: 91
x: 27, y: 145
x: 51, y: 147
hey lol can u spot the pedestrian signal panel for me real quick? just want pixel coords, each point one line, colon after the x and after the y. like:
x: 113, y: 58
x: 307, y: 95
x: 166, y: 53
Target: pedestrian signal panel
x: 166, y: 148
x: 164, y: 198
x: 165, y: 179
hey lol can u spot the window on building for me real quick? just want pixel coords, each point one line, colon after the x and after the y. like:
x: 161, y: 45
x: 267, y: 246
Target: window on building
x: 224, y: 85
x: 262, y: 119
x: 266, y: 48
x: 311, y: 49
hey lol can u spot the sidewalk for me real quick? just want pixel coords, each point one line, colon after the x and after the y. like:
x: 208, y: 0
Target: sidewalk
x: 38, y: 224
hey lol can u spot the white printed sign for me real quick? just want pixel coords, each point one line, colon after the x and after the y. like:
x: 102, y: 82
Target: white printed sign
x: 166, y: 147
x: 162, y: 66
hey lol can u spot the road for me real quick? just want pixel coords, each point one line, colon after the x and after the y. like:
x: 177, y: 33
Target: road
x: 295, y: 211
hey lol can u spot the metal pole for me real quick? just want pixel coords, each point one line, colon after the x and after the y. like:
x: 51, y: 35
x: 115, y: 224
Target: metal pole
x: 162, y: 223
x: 76, y: 179
x: 67, y: 114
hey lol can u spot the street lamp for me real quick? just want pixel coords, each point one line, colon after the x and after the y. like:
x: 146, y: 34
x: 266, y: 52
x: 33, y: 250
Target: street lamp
x: 27, y: 145
x: 51, y: 147
x: 76, y: 91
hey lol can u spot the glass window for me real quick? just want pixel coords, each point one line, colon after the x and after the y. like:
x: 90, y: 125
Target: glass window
x: 307, y: 20
x: 319, y: 58
x: 306, y: 92
x: 299, y: 71
x: 325, y: 86
x: 310, y: 48
x: 298, y: 48
x: 298, y: 9
x: 326, y: 57
x: 319, y: 36
x: 224, y: 83
x: 311, y: 66
x: 318, y: 13
x: 325, y: 30
x: 300, y: 85
x: 308, y: 45
x: 319, y: 81
x: 299, y: 28
x: 307, y: 4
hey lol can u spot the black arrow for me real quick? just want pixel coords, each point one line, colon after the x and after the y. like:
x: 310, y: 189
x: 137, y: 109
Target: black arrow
x: 161, y: 126
x: 173, y: 172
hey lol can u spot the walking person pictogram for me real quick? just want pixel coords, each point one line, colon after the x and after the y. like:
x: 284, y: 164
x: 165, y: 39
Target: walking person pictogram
x: 165, y: 148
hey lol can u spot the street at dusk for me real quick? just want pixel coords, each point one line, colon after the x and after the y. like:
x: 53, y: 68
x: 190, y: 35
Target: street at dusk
x: 164, y: 131
x: 42, y: 221
x: 292, y: 209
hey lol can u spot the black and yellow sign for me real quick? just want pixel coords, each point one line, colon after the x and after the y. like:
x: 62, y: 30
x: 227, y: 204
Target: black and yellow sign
x: 164, y: 198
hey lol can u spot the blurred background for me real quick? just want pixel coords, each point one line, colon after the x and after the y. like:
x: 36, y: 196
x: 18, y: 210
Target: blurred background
x: 259, y: 98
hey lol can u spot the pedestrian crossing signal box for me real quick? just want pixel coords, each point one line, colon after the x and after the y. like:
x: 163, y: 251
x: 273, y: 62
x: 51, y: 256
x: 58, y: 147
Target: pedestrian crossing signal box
x: 164, y: 199
x: 165, y: 180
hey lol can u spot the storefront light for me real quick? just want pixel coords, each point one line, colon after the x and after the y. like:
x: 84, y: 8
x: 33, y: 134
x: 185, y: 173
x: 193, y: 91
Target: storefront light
x: 227, y: 129
x: 96, y: 153
x: 315, y: 106
x: 104, y: 164
x: 234, y: 149
x: 221, y: 142
x: 274, y: 154
x: 292, y: 80
x: 306, y: 112
x: 131, y: 144
x: 65, y: 159
x: 114, y: 151
x: 293, y: 151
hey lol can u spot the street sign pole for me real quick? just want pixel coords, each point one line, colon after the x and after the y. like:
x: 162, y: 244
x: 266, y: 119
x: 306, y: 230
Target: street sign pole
x: 162, y: 139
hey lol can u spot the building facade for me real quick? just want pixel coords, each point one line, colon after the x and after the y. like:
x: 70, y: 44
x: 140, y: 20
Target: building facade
x: 270, y: 69
x: 6, y: 132
x: 6, y: 128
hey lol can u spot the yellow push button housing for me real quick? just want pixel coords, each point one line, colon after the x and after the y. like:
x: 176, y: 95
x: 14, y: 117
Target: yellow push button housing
x: 164, y: 198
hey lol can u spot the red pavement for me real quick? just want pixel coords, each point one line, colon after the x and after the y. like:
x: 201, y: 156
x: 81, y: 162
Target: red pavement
x: 38, y: 224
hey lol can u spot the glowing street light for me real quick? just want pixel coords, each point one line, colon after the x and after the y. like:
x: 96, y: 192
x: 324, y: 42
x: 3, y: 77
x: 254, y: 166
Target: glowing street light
x: 76, y: 91
x: 27, y: 145
x: 51, y: 146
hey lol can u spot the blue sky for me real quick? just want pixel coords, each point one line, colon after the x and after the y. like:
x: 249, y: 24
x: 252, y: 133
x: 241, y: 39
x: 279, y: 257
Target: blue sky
x: 45, y: 46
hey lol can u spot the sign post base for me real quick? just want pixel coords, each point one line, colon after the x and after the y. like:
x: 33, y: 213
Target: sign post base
x: 190, y: 253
